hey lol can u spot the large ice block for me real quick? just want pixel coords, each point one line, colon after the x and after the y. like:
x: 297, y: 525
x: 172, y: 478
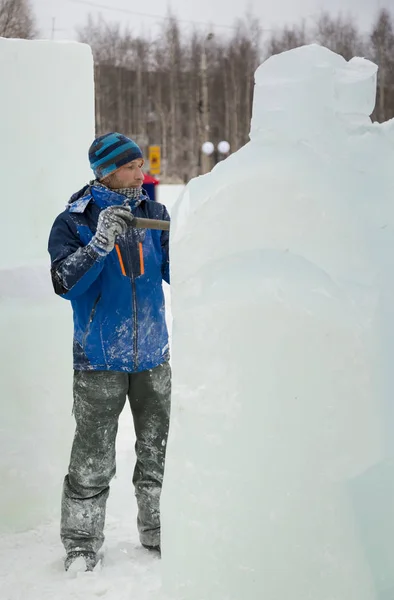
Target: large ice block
x: 46, y: 126
x: 279, y: 482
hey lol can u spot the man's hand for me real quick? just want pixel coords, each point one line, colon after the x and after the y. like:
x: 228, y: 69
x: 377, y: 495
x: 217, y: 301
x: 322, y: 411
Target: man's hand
x: 112, y: 221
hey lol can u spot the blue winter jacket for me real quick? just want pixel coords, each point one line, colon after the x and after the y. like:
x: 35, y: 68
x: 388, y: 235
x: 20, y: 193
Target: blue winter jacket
x: 117, y: 299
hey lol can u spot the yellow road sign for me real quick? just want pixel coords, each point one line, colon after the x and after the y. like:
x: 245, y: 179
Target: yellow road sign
x: 154, y: 160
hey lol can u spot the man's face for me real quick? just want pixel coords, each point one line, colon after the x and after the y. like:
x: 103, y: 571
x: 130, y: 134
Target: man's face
x: 128, y: 176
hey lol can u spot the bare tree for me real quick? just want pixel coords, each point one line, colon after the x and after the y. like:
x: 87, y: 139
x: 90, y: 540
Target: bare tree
x: 17, y: 19
x: 340, y: 35
x: 173, y: 67
x: 179, y: 90
x: 382, y: 52
x: 241, y: 58
x: 287, y: 39
x: 121, y: 90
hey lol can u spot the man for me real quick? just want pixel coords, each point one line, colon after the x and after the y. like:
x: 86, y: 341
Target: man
x: 112, y: 273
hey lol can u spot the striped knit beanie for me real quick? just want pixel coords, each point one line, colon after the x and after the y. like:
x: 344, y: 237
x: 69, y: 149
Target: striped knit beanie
x: 111, y: 151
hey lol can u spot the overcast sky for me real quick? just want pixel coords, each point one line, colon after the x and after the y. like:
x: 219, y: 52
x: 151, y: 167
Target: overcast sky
x: 148, y: 15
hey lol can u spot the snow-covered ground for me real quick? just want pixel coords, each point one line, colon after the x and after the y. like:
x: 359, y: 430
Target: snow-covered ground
x: 31, y: 563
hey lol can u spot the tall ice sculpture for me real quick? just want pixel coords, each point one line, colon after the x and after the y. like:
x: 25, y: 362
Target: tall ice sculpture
x: 279, y: 482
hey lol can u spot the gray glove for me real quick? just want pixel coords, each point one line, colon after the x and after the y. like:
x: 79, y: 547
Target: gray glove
x: 112, y: 221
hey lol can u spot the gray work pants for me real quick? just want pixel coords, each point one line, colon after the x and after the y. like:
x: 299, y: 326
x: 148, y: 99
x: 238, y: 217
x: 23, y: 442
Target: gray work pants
x: 99, y: 398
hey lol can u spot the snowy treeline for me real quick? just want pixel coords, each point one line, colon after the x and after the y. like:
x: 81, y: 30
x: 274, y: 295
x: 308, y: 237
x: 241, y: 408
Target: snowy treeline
x: 185, y: 87
x: 181, y: 89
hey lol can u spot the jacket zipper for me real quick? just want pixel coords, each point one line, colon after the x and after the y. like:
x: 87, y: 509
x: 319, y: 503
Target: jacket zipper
x: 92, y: 314
x: 135, y: 321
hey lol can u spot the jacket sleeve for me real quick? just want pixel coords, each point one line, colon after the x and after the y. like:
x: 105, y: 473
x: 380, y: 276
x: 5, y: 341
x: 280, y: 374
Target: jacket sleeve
x: 165, y: 242
x: 74, y: 267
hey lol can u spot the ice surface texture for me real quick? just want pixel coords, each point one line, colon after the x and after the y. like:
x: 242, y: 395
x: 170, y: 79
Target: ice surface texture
x: 279, y: 479
x: 46, y: 126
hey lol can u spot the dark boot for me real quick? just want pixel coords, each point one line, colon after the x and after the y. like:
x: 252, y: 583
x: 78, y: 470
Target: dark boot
x: 90, y: 559
x: 155, y: 549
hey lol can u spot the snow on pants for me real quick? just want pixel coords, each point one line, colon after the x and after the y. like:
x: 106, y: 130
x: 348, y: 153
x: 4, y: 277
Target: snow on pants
x: 99, y: 397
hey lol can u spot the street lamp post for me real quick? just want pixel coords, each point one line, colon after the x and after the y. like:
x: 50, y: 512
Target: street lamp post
x: 205, y: 130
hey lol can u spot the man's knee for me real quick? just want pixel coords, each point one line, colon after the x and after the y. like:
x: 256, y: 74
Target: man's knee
x: 84, y: 483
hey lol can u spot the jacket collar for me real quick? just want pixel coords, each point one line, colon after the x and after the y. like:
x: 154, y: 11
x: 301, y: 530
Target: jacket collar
x: 105, y: 197
x: 102, y: 197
